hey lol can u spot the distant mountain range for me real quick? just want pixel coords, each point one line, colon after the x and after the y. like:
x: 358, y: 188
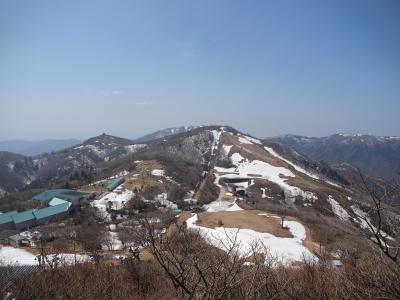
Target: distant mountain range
x: 378, y: 156
x: 334, y: 156
x: 164, y: 133
x: 31, y: 148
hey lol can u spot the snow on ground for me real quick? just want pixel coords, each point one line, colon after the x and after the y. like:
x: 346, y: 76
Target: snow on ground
x: 162, y: 199
x: 260, y: 169
x: 363, y: 219
x: 216, y: 134
x: 236, y: 158
x: 284, y: 250
x: 94, y: 149
x: 264, y: 193
x: 224, y: 170
x: 227, y: 148
x: 120, y: 174
x: 157, y: 172
x: 244, y: 139
x: 19, y: 257
x: 253, y: 140
x: 112, y: 242
x: 362, y: 215
x: 2, y: 192
x: 134, y: 148
x: 217, y: 206
x: 338, y: 210
x: 234, y: 207
x: 296, y: 167
x: 115, y: 200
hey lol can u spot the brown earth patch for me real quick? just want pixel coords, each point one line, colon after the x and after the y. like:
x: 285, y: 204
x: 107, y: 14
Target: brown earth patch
x: 243, y: 220
x: 95, y: 188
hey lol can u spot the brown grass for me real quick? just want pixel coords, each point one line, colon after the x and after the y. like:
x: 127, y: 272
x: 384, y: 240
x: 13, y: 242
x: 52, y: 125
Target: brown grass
x: 253, y: 151
x: 223, y: 196
x: 244, y: 220
x: 145, y: 255
x: 99, y: 189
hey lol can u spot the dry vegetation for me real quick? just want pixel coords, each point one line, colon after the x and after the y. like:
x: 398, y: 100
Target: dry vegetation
x: 247, y: 219
x: 183, y: 266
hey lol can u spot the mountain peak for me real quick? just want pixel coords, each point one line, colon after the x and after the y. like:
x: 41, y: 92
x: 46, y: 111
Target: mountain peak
x: 105, y: 139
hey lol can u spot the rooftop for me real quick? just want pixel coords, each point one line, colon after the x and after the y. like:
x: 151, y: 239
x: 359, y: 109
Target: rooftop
x: 52, y: 210
x: 56, y: 201
x: 73, y: 193
x: 111, y: 184
x: 50, y: 194
x: 24, y: 216
x: 6, y: 217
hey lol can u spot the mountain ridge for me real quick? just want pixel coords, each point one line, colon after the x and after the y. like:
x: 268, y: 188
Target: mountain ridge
x: 32, y: 148
x: 378, y: 156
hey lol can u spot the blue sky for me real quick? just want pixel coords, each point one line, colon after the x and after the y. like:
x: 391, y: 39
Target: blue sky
x: 80, y: 68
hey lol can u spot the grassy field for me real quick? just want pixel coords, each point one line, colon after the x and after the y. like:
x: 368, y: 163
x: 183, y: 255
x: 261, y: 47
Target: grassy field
x: 246, y: 219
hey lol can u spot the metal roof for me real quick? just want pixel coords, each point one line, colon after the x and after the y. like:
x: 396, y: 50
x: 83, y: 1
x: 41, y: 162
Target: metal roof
x: 50, y: 194
x: 73, y: 194
x: 56, y: 201
x: 6, y: 217
x: 50, y: 211
x: 23, y: 216
x: 113, y: 183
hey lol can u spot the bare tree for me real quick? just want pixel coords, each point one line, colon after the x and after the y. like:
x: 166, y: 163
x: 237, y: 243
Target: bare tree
x: 380, y: 195
x: 195, y: 268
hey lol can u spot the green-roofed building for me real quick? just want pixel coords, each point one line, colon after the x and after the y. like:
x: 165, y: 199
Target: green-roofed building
x: 24, y: 220
x: 56, y: 201
x: 46, y: 196
x: 49, y: 214
x: 111, y: 184
x: 75, y: 197
x: 6, y: 222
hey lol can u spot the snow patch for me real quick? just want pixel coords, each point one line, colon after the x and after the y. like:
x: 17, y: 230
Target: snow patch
x: 162, y: 199
x: 285, y: 250
x: 157, y: 172
x: 259, y: 169
x: 10, y: 256
x: 296, y: 167
x: 217, y: 206
x: 134, y: 148
x: 363, y: 220
x: 234, y: 207
x: 338, y: 210
x: 216, y: 135
x: 245, y: 139
x: 236, y: 158
x: 114, y: 200
x: 227, y: 149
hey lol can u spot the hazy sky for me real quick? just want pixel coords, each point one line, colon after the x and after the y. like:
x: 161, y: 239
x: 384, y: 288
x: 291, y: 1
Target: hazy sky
x: 80, y: 68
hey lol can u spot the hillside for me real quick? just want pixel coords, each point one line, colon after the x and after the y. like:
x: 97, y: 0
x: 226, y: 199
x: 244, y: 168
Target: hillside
x: 211, y: 196
x: 164, y: 133
x: 57, y: 167
x: 31, y: 148
x: 376, y: 156
x: 208, y: 163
